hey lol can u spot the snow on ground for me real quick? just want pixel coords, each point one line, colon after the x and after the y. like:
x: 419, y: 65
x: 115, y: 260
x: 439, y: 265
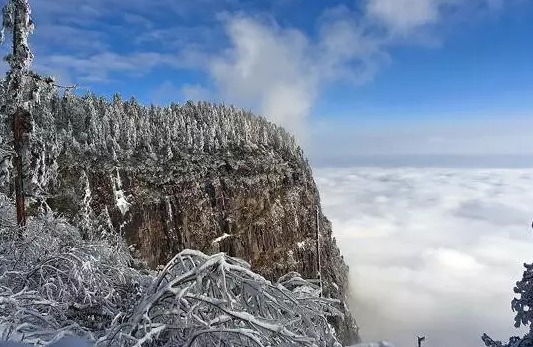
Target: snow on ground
x: 432, y: 251
x: 120, y: 197
x: 220, y: 238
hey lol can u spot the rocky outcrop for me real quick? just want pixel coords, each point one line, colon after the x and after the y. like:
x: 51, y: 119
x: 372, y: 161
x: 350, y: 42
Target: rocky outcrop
x: 197, y: 176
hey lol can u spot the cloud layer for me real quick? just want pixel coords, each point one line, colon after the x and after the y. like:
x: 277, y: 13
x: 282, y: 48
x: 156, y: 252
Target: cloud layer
x: 431, y: 251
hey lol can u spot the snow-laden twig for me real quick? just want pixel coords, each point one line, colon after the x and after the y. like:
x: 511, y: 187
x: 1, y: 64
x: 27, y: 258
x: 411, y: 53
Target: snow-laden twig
x: 218, y: 299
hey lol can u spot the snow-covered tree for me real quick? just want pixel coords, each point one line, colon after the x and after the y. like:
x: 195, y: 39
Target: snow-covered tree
x: 524, y: 314
x: 52, y: 283
x: 16, y: 18
x: 129, y: 131
x: 26, y: 98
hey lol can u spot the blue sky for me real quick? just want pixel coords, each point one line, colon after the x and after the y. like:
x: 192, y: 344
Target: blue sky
x: 349, y: 77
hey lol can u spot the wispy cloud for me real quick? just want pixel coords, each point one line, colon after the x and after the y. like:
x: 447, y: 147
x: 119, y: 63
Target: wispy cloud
x: 280, y: 72
x: 196, y: 92
x: 431, y: 251
x: 250, y: 58
x: 180, y: 37
x: 97, y: 67
x: 406, y: 17
x: 403, y: 16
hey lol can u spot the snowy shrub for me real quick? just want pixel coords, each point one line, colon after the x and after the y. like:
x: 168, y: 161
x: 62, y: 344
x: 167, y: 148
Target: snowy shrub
x: 524, y: 314
x: 200, y: 300
x: 54, y: 283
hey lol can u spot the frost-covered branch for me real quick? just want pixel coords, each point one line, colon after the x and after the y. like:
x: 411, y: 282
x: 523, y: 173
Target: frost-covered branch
x: 49, y: 80
x: 206, y: 300
x: 54, y: 283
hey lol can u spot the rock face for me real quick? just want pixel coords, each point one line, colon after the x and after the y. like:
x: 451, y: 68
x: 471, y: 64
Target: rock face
x: 198, y: 176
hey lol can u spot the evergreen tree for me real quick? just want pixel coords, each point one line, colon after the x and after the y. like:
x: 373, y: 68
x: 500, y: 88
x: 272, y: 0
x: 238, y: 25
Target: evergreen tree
x: 524, y: 315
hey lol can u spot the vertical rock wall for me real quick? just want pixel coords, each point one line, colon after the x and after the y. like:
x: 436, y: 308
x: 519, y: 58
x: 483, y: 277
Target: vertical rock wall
x: 201, y: 176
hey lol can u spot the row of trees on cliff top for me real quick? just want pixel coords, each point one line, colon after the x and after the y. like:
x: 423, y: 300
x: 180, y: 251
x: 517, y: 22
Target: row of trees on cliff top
x: 76, y: 128
x: 37, y: 124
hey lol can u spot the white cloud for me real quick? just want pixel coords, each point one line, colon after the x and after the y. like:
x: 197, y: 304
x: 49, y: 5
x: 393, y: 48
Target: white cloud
x: 404, y: 15
x: 99, y: 67
x: 269, y: 69
x: 165, y: 93
x: 196, y: 92
x: 279, y: 72
x: 431, y: 251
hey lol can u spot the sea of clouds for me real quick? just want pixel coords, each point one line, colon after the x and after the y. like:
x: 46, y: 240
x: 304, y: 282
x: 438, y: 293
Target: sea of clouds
x: 434, y: 252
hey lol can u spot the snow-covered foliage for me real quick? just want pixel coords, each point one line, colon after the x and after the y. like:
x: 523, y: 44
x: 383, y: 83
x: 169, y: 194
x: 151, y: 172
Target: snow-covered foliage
x: 21, y: 90
x: 524, y: 314
x: 16, y: 18
x: 54, y: 283
x: 69, y: 128
x: 200, y: 300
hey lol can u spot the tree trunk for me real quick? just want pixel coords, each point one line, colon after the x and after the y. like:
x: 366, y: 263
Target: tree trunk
x: 20, y: 126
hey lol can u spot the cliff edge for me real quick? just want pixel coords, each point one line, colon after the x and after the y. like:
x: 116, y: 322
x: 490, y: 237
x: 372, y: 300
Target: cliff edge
x: 201, y: 176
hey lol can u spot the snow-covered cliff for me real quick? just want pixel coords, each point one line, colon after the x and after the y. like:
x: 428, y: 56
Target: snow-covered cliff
x: 201, y: 176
